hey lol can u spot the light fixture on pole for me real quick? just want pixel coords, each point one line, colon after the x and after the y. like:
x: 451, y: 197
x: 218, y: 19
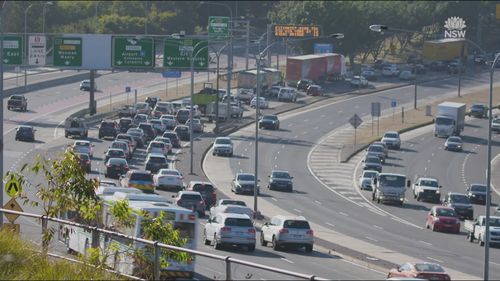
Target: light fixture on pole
x: 43, y: 14
x: 488, y: 176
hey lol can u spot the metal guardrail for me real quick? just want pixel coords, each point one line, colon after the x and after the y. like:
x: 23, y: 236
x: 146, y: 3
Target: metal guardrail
x: 157, y: 247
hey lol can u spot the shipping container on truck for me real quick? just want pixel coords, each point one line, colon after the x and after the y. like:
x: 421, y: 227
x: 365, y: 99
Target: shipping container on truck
x: 444, y: 49
x: 268, y: 76
x: 317, y: 67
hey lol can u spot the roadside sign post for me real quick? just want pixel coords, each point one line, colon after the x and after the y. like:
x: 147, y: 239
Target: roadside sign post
x: 67, y: 51
x: 127, y: 90
x: 37, y: 50
x: 130, y: 52
x: 169, y: 74
x: 355, y: 121
x: 394, y: 103
x: 375, y: 113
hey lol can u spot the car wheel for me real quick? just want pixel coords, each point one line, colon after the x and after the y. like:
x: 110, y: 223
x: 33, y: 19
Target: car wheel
x: 373, y: 196
x: 470, y: 237
x: 434, y: 227
x: 418, y: 197
x: 309, y: 248
x: 427, y: 225
x: 275, y: 245
x: 480, y: 241
x: 378, y: 200
x: 217, y: 245
x: 251, y: 248
x: 262, y: 241
x: 207, y: 242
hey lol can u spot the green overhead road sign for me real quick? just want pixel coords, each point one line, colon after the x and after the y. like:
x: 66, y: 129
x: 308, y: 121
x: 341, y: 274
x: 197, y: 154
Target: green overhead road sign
x: 177, y: 53
x: 68, y: 51
x: 218, y: 27
x: 130, y: 52
x: 13, y: 50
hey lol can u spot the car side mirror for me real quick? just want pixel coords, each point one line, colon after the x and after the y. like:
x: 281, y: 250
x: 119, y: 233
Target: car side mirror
x: 408, y: 183
x: 399, y: 269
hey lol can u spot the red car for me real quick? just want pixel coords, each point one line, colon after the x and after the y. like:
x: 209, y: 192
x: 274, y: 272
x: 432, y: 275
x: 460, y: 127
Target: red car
x: 442, y: 218
x: 423, y: 270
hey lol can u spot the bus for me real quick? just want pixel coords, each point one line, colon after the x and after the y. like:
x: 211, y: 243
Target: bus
x: 78, y: 240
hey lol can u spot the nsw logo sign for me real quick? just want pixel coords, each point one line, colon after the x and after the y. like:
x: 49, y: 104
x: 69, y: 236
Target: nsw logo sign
x: 454, y: 27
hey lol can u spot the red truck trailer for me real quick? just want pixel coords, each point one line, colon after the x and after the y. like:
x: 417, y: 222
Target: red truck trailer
x: 317, y: 67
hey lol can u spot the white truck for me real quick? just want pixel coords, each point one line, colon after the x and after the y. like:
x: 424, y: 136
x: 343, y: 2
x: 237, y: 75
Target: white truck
x: 450, y: 119
x: 476, y: 230
x: 389, y: 187
x: 211, y: 110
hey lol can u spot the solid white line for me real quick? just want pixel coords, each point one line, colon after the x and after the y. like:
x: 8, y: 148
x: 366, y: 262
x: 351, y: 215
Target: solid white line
x: 440, y: 261
x: 55, y: 129
x: 495, y: 263
x: 317, y: 202
x: 378, y: 227
x: 288, y: 261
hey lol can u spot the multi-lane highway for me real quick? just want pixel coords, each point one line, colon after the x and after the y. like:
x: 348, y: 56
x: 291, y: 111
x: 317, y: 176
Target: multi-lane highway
x: 288, y: 149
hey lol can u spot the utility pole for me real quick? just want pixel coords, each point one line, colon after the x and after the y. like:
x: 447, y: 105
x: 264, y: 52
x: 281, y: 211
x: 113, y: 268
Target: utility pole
x: 92, y: 109
x: 1, y: 107
x: 247, y: 43
x: 268, y: 42
x: 229, y: 69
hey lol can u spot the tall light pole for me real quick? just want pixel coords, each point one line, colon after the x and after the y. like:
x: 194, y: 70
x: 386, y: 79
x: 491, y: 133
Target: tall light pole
x: 146, y: 17
x: 258, y: 59
x: 1, y: 107
x: 217, y: 55
x: 24, y: 45
x: 95, y: 15
x: 229, y: 55
x: 488, y: 176
x: 43, y: 15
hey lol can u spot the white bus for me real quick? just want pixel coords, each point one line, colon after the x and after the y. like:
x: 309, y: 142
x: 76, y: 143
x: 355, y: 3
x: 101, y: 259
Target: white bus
x: 79, y: 240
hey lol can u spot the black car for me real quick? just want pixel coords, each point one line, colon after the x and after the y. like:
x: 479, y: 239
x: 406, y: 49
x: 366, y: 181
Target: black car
x: 207, y: 191
x: 174, y: 138
x: 303, y: 84
x: 183, y: 132
x: 108, y: 129
x: 125, y: 124
x: 477, y: 193
x: 155, y: 161
x: 280, y: 180
x: 148, y: 130
x: 182, y: 116
x: 269, y: 122
x: 114, y: 153
x: 25, y: 133
x: 152, y: 101
x: 84, y: 160
x: 115, y: 167
x: 478, y: 110
x: 461, y: 203
x: 480, y: 59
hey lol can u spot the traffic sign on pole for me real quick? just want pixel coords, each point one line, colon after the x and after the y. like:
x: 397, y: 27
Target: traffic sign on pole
x: 14, y: 206
x: 13, y: 187
x: 68, y: 51
x: 394, y: 103
x: 37, y: 50
x: 171, y: 74
x: 130, y: 52
x: 177, y: 53
x: 13, y: 50
x: 218, y: 27
x: 355, y: 121
x: 376, y: 109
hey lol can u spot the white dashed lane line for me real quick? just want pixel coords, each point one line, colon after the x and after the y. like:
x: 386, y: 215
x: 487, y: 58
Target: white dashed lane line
x: 371, y: 239
x: 287, y: 260
x: 297, y: 210
x: 426, y: 243
x: 327, y: 223
x: 440, y: 261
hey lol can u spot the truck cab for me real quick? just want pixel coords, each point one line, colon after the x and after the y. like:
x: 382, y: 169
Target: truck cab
x: 389, y: 187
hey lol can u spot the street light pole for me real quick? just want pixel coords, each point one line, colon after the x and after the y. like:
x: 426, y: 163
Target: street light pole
x: 191, y: 114
x: 95, y: 15
x: 1, y: 108
x: 43, y: 15
x: 24, y: 46
x: 488, y: 176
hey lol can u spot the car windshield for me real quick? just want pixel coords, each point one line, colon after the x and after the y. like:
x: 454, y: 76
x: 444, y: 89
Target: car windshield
x: 134, y: 134
x: 157, y: 160
x: 206, y: 188
x: 75, y: 124
x: 81, y: 143
x: 296, y: 224
x: 392, y: 180
x: 477, y: 106
x: 169, y: 172
x: 157, y: 144
x: 478, y: 188
x: 107, y: 124
x: 141, y: 177
x: 116, y: 152
x: 246, y: 177
x: 233, y: 202
x: 444, y: 121
x: 158, y: 122
x: 119, y: 145
x: 84, y: 156
x: 270, y: 117
x: 428, y: 267
x: 369, y: 175
x: 24, y: 129
x: 125, y: 122
x: 170, y: 135
x: 281, y: 175
x: 495, y: 222
x: 164, y: 140
x: 117, y: 161
x: 391, y: 135
x: 430, y: 183
x: 458, y: 198
x: 455, y: 139
x: 372, y: 160
x: 441, y: 212
x: 375, y: 148
x: 223, y: 141
x: 16, y: 97
x: 238, y: 222
x: 141, y: 105
x: 181, y: 129
x: 193, y: 197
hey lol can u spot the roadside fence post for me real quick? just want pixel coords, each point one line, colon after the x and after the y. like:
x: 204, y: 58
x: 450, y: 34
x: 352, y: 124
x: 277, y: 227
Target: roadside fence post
x: 403, y: 115
x: 45, y: 241
x: 157, y: 261
x: 228, y: 268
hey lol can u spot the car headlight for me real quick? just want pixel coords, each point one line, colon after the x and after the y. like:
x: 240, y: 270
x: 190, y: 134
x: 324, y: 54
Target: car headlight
x: 437, y: 192
x: 401, y: 199
x: 473, y: 195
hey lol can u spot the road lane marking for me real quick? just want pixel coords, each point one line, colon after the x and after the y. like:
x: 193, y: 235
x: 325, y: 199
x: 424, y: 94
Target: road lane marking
x: 327, y: 223
x: 55, y: 129
x: 272, y: 198
x: 372, y: 239
x: 287, y: 260
x: 378, y: 227
x: 317, y: 202
x: 344, y: 214
x: 426, y: 243
x: 239, y: 163
x: 297, y: 210
x: 440, y: 261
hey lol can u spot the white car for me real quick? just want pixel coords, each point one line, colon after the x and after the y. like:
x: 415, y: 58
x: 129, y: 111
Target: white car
x: 230, y: 229
x: 168, y: 179
x: 157, y: 147
x: 495, y: 125
x: 287, y: 94
x: 81, y: 146
x: 359, y: 81
x: 195, y: 111
x: 169, y: 121
x: 244, y: 94
x: 390, y: 70
x: 285, y: 231
x: 224, y: 146
x: 406, y: 75
x: 158, y: 125
x: 233, y: 209
x: 392, y: 139
x: 365, y: 180
x: 198, y: 127
x: 263, y: 104
x: 166, y: 141
x: 143, y: 108
x: 128, y: 138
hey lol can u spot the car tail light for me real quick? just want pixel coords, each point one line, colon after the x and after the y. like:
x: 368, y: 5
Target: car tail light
x: 224, y: 229
x: 201, y: 202
x: 283, y: 230
x: 251, y: 230
x: 310, y: 232
x: 192, y: 217
x: 88, y: 161
x: 214, y: 195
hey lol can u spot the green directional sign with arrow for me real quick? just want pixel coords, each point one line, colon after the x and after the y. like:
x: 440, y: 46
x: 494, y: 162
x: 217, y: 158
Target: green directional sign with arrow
x: 218, y: 27
x: 130, y: 52
x: 68, y: 51
x: 177, y: 53
x: 13, y: 50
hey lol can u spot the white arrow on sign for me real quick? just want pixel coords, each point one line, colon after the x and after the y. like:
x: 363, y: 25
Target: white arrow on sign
x: 170, y: 63
x: 66, y: 62
x: 6, y: 60
x: 119, y: 62
x: 201, y: 63
x: 146, y: 62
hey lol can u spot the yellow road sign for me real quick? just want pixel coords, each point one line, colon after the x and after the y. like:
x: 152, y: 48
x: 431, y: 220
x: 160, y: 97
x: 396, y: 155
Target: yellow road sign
x: 14, y: 227
x: 14, y: 206
x: 13, y: 187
